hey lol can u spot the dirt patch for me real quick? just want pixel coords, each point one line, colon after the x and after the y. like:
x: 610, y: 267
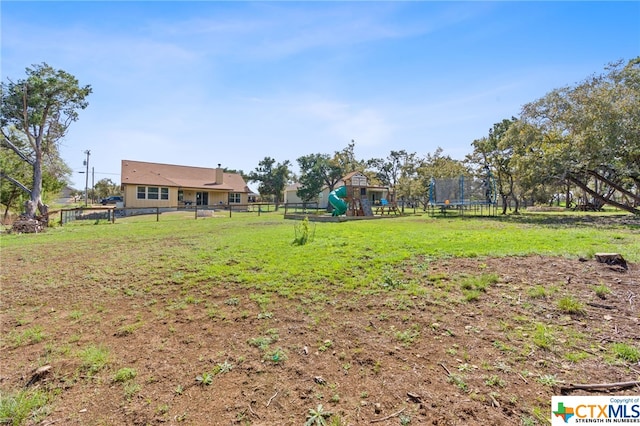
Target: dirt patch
x: 445, y: 352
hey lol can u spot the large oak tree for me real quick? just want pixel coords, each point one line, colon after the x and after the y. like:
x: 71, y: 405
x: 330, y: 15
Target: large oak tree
x: 35, y: 114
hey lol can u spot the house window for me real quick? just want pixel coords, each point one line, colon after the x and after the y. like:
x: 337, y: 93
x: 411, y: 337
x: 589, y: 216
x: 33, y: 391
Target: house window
x: 234, y: 197
x: 152, y: 193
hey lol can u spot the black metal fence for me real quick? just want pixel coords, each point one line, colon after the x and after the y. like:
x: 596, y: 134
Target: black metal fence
x: 110, y: 214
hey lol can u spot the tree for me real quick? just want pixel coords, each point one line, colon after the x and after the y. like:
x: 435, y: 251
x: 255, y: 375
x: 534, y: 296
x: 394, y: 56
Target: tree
x: 272, y: 177
x: 317, y: 171
x: 105, y: 187
x: 36, y: 113
x: 346, y: 159
x: 592, y: 134
x: 496, y: 152
x: 397, y: 172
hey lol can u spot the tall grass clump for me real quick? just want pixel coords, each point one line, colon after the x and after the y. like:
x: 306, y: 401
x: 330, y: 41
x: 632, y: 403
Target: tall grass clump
x: 22, y: 406
x: 304, y: 232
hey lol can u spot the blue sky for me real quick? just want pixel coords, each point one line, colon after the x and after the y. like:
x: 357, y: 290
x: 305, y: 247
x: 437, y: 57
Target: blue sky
x: 202, y: 83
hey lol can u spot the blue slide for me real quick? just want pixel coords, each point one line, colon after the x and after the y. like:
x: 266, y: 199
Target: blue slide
x: 336, y: 200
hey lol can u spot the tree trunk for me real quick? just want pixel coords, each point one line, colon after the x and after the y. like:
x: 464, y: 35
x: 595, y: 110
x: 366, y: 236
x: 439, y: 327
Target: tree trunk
x: 504, y: 203
x: 591, y: 192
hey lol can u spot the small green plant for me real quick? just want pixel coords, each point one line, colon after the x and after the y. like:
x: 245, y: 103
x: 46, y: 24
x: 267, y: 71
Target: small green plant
x: 24, y: 405
x: 232, y: 301
x: 94, y: 358
x: 125, y: 374
x: 459, y: 382
x: 29, y: 336
x: 225, y: 367
x: 576, y: 356
x: 277, y: 356
x: 130, y: 389
x: 626, y: 352
x: 548, y: 380
x: 325, y: 345
x: 494, y: 380
x: 404, y: 419
x: 570, y: 305
x: 204, y: 379
x: 537, y: 292
x: 317, y: 416
x: 602, y: 291
x: 263, y: 342
x: 542, y: 337
x: 407, y: 337
x: 303, y: 232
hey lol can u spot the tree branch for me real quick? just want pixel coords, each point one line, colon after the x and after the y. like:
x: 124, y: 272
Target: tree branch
x: 593, y: 386
x: 7, y: 142
x: 15, y: 182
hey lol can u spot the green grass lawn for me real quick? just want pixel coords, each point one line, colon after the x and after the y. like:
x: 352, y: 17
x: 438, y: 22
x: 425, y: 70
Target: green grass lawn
x: 258, y: 251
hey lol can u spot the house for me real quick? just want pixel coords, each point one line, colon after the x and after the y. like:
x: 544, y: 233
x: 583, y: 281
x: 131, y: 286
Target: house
x: 373, y: 193
x: 167, y: 185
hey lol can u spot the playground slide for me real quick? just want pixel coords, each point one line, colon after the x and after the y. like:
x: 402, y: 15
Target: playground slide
x: 336, y: 200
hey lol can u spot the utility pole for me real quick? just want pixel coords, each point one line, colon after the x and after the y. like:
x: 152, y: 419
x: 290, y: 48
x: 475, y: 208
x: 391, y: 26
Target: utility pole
x: 86, y: 180
x: 93, y: 186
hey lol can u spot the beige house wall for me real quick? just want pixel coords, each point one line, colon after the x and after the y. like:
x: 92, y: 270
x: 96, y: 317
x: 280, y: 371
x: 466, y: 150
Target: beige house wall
x: 189, y: 195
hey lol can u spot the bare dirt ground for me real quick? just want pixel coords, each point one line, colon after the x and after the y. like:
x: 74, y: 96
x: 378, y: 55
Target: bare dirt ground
x: 386, y: 359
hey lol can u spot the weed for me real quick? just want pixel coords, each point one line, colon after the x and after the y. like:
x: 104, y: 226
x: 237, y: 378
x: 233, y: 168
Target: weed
x: 459, y: 382
x: 404, y: 419
x: 263, y: 342
x: 501, y: 346
x: 303, y: 232
x: 537, y: 292
x: 626, y: 352
x: 179, y: 390
x: 602, y: 291
x: 548, y: 380
x: 204, y: 379
x: 125, y: 374
x: 325, y: 345
x: 576, y: 356
x: 128, y: 329
x: 29, y: 336
x: 75, y: 315
x: 408, y: 336
x: 316, y: 416
x: 528, y: 421
x: 94, y: 358
x: 542, y: 337
x: 232, y: 301
x: 390, y: 283
x: 130, y: 389
x: 494, y: 380
x: 570, y: 305
x: 277, y: 356
x: 265, y: 315
x: 225, y: 367
x: 24, y: 405
x: 471, y: 295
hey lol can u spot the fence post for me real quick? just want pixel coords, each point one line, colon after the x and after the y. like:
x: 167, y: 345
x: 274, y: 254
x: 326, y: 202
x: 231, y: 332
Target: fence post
x: 157, y: 214
x: 195, y: 212
x: 229, y: 206
x: 61, y: 222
